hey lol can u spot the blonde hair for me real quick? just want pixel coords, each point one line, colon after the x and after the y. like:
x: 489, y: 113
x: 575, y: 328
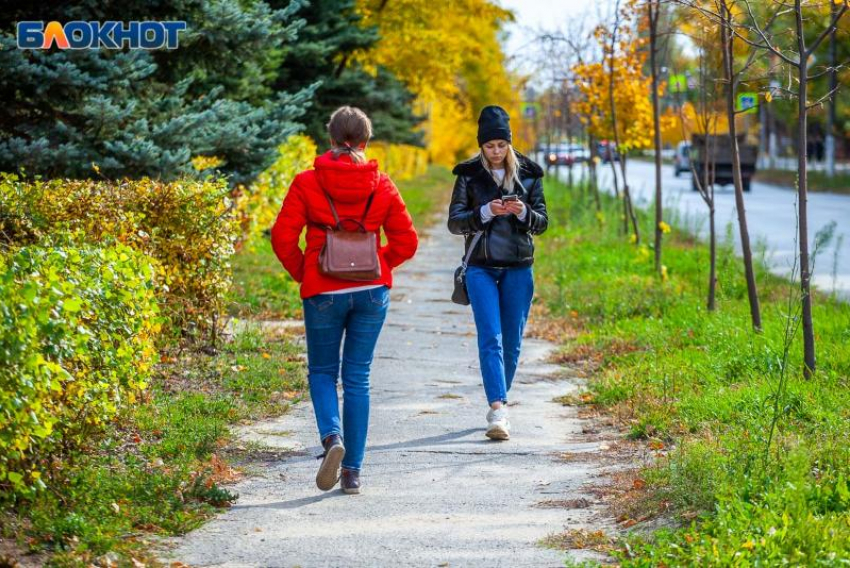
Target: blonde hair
x: 511, y: 168
x: 349, y: 129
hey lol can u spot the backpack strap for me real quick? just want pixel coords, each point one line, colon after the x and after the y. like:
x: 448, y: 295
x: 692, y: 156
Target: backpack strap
x: 333, y: 209
x: 368, y: 205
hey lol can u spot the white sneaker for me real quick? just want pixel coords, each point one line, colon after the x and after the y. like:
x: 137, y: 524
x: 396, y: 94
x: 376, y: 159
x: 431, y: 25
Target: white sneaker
x: 498, y: 425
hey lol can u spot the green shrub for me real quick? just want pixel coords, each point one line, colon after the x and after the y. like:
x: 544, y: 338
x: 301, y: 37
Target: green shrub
x: 76, y: 344
x: 189, y: 227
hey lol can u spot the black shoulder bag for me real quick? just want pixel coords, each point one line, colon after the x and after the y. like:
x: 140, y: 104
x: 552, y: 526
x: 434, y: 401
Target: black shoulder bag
x: 459, y: 294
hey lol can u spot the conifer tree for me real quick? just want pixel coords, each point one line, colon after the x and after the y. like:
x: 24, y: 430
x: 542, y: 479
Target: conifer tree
x: 147, y: 113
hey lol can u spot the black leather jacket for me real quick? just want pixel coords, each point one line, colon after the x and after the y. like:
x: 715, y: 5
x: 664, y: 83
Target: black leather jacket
x: 507, y: 241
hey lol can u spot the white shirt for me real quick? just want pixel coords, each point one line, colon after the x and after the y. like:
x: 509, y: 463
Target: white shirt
x: 487, y: 214
x: 354, y: 289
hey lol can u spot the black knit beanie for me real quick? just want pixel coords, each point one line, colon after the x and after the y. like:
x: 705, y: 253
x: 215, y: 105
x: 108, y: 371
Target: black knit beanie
x: 493, y: 124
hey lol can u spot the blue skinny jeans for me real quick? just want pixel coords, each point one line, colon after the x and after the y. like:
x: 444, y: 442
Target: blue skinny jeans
x: 501, y: 300
x: 359, y: 316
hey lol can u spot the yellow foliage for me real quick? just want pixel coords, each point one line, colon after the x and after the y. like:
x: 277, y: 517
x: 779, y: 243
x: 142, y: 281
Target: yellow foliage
x: 201, y: 163
x: 400, y: 161
x: 186, y: 227
x: 260, y: 203
x: 691, y: 122
x: 448, y: 53
x: 631, y: 89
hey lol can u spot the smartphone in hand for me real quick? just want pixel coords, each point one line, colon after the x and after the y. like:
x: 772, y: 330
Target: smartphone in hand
x: 507, y: 198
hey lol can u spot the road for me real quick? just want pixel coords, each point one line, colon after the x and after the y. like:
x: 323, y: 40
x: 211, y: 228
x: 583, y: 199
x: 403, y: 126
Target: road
x: 771, y: 217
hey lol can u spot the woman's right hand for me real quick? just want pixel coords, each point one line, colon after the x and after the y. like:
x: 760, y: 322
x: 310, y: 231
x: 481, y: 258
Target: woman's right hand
x: 498, y: 208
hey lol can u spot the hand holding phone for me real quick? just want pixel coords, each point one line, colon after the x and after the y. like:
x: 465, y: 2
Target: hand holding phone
x: 512, y: 204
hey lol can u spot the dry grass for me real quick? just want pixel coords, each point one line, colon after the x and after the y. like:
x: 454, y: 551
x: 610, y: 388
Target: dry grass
x: 580, y: 503
x: 579, y: 539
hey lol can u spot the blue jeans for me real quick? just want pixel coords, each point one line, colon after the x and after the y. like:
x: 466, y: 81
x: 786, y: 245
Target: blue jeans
x: 501, y: 300
x: 360, y: 315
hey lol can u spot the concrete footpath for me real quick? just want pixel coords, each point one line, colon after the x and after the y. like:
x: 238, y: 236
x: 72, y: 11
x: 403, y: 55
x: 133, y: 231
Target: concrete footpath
x: 436, y: 492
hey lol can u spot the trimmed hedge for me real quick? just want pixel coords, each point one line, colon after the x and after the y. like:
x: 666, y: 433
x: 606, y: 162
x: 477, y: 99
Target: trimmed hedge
x: 264, y: 197
x: 400, y: 161
x: 77, y: 327
x: 188, y: 227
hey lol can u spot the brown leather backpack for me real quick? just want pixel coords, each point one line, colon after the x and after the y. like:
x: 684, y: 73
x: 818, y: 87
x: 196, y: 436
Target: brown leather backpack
x: 350, y: 255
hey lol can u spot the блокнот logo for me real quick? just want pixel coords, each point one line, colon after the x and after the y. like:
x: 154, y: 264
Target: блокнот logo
x: 93, y: 35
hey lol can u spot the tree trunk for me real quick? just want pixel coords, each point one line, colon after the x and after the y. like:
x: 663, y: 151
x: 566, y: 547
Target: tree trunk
x: 712, y: 271
x: 802, y: 198
x: 616, y: 179
x: 654, y: 7
x: 594, y: 184
x: 726, y: 41
x: 627, y: 197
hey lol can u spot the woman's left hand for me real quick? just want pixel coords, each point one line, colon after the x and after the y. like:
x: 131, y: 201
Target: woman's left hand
x: 515, y: 207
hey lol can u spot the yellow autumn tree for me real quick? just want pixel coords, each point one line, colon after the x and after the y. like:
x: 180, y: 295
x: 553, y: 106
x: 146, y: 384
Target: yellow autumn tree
x: 615, y: 102
x: 448, y: 53
x: 631, y: 91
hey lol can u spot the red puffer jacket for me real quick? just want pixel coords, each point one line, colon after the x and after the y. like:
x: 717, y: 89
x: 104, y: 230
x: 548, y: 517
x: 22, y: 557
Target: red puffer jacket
x: 349, y: 186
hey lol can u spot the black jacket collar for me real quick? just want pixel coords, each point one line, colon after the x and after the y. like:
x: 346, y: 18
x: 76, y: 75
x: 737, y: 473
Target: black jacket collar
x: 473, y: 166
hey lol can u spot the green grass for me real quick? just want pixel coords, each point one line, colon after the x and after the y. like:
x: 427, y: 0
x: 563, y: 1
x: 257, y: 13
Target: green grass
x: 707, y: 388
x: 154, y: 471
x: 818, y: 180
x: 262, y: 288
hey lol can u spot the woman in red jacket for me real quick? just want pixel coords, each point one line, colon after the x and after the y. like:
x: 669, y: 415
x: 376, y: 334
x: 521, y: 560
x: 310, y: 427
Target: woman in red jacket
x: 332, y: 306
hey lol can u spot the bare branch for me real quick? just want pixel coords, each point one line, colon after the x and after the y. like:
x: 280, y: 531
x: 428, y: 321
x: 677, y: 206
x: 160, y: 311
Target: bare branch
x: 823, y: 99
x: 762, y: 34
x: 829, y: 70
x: 828, y: 29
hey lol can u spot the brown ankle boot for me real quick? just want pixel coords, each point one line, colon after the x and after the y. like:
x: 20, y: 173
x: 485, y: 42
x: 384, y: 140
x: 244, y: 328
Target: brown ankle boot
x: 350, y: 481
x: 328, y: 473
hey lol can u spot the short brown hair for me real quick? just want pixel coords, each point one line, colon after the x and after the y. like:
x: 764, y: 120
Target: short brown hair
x: 349, y: 126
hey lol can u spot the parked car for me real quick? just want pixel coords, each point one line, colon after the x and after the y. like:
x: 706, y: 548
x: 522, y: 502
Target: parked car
x: 607, y: 151
x: 682, y: 158
x: 567, y: 155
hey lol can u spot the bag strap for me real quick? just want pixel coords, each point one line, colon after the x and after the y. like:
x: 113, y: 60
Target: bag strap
x: 368, y: 205
x: 333, y: 209
x: 468, y: 255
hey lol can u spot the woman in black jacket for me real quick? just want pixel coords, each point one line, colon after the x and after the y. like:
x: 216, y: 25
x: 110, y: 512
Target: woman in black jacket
x: 499, y: 194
